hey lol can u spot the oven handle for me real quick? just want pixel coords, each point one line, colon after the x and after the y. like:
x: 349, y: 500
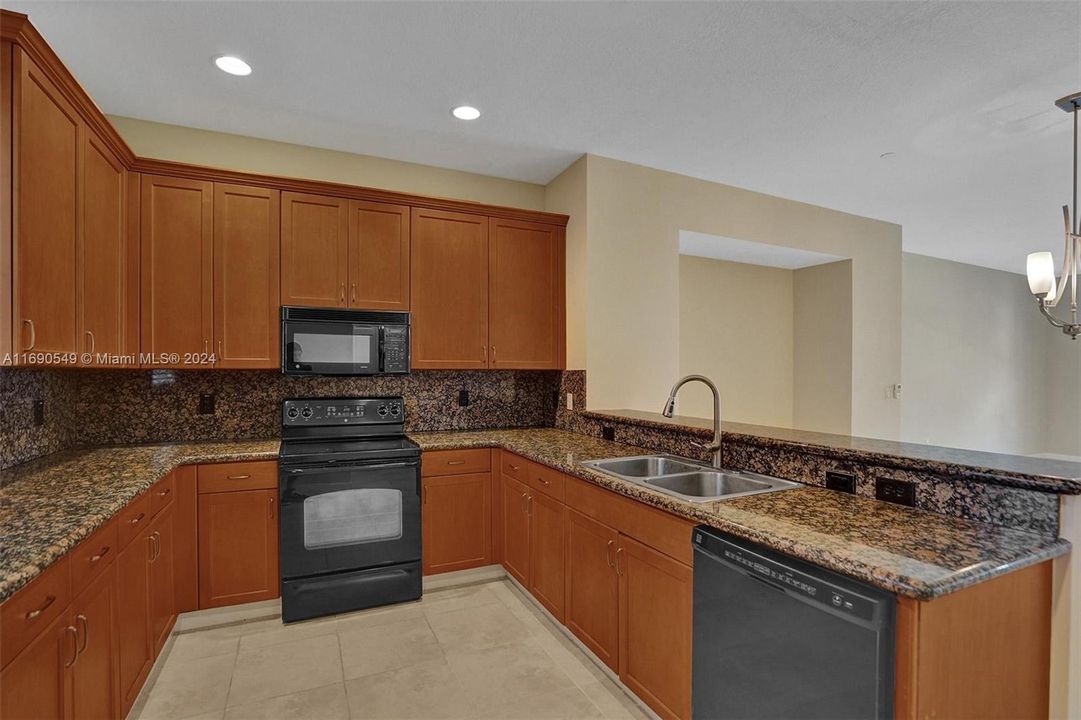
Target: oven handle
x: 322, y: 469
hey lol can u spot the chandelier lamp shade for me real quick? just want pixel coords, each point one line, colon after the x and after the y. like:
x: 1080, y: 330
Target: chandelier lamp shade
x: 1049, y: 290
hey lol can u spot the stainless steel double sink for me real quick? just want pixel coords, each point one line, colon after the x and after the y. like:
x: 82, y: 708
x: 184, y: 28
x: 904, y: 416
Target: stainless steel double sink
x: 687, y: 479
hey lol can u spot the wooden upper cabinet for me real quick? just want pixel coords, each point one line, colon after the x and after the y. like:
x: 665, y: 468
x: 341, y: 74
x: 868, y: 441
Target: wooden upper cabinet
x: 108, y: 255
x: 177, y: 265
x: 378, y: 256
x: 526, y: 281
x: 46, y: 136
x: 314, y: 250
x: 449, y: 290
x: 246, y: 266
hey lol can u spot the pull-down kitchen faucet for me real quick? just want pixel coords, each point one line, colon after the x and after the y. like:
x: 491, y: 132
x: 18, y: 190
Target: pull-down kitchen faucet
x: 670, y: 407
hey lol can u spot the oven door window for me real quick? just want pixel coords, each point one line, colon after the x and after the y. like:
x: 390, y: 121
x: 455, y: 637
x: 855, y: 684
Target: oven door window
x: 330, y: 348
x: 352, y: 517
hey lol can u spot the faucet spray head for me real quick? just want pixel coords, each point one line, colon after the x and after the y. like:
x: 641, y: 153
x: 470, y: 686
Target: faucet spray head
x: 669, y: 407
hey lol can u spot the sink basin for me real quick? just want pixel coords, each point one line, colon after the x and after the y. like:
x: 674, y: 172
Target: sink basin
x: 645, y: 466
x: 688, y: 479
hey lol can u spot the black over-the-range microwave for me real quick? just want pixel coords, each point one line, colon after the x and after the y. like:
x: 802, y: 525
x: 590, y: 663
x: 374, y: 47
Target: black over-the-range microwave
x: 328, y: 341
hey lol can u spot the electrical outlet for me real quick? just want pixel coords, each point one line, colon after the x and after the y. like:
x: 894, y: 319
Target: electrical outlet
x: 608, y: 433
x: 39, y: 413
x: 463, y: 397
x: 841, y: 481
x: 902, y: 492
x: 207, y: 403
x: 570, y: 401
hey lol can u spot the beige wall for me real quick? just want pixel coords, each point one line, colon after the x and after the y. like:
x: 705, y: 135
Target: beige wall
x: 735, y: 327
x: 567, y: 194
x: 236, y: 152
x: 822, y: 348
x: 632, y: 310
x: 973, y: 356
x: 1062, y: 388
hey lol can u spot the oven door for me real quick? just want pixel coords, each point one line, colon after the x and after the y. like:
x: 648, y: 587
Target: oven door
x: 349, y: 517
x: 313, y: 347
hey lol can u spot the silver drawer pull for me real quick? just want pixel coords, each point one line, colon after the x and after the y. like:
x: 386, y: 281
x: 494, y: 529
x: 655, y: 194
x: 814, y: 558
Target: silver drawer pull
x: 237, y: 477
x: 135, y: 521
x: 49, y: 600
x: 514, y: 467
x: 456, y: 462
x: 100, y: 555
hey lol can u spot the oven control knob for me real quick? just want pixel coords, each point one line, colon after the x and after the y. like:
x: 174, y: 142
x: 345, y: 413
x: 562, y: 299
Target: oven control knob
x: 306, y: 412
x: 395, y: 409
x: 292, y: 413
x: 383, y: 411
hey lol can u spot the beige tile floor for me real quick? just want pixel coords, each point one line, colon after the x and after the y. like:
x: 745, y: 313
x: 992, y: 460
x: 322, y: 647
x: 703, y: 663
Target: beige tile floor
x: 481, y: 651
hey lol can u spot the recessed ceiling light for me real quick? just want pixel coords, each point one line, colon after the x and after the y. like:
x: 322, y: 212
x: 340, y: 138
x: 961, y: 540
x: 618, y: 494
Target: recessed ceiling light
x: 465, y: 112
x: 232, y: 65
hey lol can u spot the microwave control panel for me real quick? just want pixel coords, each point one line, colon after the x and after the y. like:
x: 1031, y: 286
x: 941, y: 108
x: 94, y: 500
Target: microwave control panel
x: 395, y: 349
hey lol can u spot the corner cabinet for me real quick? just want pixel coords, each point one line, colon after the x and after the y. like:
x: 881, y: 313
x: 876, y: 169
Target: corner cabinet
x: 486, y: 292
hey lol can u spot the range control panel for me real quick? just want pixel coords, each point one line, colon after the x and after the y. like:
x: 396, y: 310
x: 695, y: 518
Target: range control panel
x: 343, y: 411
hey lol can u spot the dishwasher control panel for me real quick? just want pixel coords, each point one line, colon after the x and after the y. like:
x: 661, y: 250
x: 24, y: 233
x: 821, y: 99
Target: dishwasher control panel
x: 788, y: 579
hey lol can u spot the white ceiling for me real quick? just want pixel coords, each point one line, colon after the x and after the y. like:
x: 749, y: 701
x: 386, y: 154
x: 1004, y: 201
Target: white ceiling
x: 794, y: 99
x: 718, y: 247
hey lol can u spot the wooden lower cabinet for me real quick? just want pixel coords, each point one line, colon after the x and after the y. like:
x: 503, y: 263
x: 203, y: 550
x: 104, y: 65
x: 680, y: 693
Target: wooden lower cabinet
x: 456, y: 522
x: 134, y: 652
x: 655, y: 601
x: 33, y: 683
x: 546, y: 562
x: 238, y: 547
x: 94, y: 681
x: 515, y: 529
x: 592, y: 587
x: 161, y: 592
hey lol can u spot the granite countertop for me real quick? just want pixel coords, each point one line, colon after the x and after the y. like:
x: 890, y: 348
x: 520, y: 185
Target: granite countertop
x: 910, y: 552
x: 1048, y: 474
x: 48, y: 506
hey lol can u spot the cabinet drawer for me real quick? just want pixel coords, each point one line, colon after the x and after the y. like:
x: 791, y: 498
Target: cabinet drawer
x: 546, y: 480
x: 162, y: 494
x: 93, y: 555
x: 455, y: 462
x: 132, y: 519
x: 515, y: 466
x: 30, y: 610
x: 230, y: 477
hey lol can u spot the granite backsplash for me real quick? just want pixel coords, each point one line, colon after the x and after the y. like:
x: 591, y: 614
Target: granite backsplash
x: 107, y: 407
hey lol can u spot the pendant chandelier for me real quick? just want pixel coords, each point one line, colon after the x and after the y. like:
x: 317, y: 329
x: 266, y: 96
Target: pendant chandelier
x: 1041, y: 265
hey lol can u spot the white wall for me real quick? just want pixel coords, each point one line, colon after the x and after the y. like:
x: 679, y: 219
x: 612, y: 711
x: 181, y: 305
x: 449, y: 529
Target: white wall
x: 822, y: 348
x: 973, y: 358
x: 735, y: 327
x: 632, y: 305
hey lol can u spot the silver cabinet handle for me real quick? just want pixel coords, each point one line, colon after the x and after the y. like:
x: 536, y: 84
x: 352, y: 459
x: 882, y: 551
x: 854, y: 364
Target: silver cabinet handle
x: 33, y: 333
x: 93, y: 344
x: 493, y: 354
x: 206, y: 346
x: 49, y: 600
x: 219, y: 350
x: 137, y: 520
x: 102, y: 553
x: 484, y: 349
x: 237, y: 477
x: 271, y: 508
x: 513, y: 467
x: 455, y: 462
x: 74, y: 647
x: 341, y: 291
x: 608, y: 554
x: 354, y: 300
x: 81, y: 620
x: 619, y: 568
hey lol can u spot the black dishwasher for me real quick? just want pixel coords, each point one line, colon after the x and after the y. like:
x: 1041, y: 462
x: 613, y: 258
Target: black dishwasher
x: 779, y: 638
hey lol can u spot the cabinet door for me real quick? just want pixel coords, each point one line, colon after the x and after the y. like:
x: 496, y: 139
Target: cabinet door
x: 46, y: 136
x: 655, y: 601
x: 457, y: 522
x: 161, y: 589
x: 592, y: 586
x: 515, y: 530
x: 177, y: 267
x: 314, y: 250
x: 378, y: 256
x: 32, y: 686
x: 449, y: 290
x: 246, y: 260
x: 94, y: 687
x: 526, y: 295
x: 238, y: 547
x: 108, y: 256
x: 133, y: 624
x: 546, y: 523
